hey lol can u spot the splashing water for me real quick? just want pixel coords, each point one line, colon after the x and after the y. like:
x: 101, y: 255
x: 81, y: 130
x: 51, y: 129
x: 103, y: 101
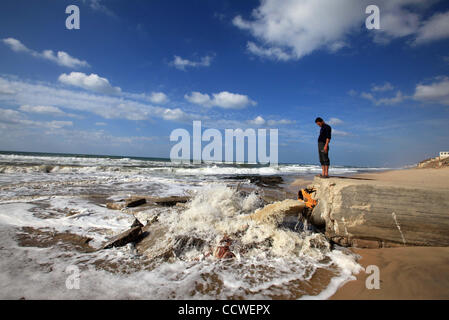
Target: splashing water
x: 269, y: 261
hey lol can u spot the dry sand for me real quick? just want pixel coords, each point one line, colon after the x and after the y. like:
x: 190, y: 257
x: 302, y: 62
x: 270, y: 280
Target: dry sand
x: 405, y: 272
x: 427, y: 178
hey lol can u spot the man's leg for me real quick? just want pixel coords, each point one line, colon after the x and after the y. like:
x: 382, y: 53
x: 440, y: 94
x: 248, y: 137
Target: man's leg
x: 326, y: 163
x: 322, y: 158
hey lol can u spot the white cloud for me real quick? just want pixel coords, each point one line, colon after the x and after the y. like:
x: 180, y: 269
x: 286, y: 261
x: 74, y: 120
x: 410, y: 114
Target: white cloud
x: 272, y: 53
x: 398, y: 19
x: 97, y: 6
x: 385, y: 87
x: 158, y: 98
x: 91, y: 82
x: 6, y: 89
x: 59, y: 124
x: 340, y: 133
x: 229, y: 100
x: 436, y: 92
x: 47, y: 110
x: 182, y: 64
x: 336, y: 46
x: 173, y: 114
x: 9, y: 115
x: 334, y: 121
x: 291, y: 29
x: 199, y: 98
x: 436, y: 28
x: 368, y: 96
x: 102, y: 124
x: 13, y: 117
x: 15, y: 45
x: 280, y: 122
x: 397, y: 98
x: 258, y: 121
x: 106, y: 106
x: 41, y: 109
x: 61, y: 58
x: 224, y: 99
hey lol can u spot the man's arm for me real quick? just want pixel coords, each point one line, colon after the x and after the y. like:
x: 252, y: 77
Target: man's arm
x: 328, y: 138
x: 326, y: 146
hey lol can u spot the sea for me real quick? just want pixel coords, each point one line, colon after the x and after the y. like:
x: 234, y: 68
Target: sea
x: 49, y: 203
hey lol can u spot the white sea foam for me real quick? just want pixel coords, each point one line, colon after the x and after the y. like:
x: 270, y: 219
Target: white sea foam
x: 59, y: 164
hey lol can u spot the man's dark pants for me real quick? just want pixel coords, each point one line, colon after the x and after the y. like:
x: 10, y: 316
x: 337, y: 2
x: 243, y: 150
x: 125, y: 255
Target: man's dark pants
x: 324, y: 156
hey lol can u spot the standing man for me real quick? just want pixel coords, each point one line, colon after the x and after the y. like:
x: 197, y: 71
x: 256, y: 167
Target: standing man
x: 323, y: 146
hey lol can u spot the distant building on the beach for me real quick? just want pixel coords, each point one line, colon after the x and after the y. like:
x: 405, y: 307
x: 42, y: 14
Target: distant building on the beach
x: 444, y: 154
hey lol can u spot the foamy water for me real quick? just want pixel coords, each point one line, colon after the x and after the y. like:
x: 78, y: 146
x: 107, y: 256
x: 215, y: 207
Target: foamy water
x: 55, y: 195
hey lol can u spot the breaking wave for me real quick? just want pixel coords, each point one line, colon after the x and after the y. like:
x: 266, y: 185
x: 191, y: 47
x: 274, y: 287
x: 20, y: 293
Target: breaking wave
x: 12, y: 163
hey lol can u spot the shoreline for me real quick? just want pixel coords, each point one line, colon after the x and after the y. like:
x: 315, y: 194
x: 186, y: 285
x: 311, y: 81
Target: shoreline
x: 406, y: 272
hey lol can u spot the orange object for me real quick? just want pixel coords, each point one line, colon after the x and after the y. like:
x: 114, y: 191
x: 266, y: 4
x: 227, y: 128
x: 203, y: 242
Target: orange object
x: 304, y: 195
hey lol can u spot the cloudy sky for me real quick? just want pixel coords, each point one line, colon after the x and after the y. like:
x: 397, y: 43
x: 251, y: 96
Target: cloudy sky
x: 136, y: 70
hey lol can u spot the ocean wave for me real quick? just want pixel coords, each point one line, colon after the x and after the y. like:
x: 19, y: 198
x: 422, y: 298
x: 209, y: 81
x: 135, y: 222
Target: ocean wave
x: 12, y: 163
x: 203, y: 170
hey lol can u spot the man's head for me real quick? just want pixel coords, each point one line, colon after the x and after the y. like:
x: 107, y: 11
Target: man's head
x: 319, y: 121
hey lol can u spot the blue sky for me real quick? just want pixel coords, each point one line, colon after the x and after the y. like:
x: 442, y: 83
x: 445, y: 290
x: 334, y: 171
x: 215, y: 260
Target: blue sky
x: 136, y: 70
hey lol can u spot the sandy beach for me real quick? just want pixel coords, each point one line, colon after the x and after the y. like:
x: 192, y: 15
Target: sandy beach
x: 413, y: 177
x: 405, y: 272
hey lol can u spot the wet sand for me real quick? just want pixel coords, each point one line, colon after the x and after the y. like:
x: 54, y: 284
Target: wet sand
x: 405, y: 272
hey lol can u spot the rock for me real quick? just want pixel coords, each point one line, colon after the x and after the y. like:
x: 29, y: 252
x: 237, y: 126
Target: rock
x: 169, y: 201
x: 278, y: 211
x: 136, y: 203
x: 131, y: 235
x: 369, y: 244
x: 140, y: 201
x: 372, y: 214
x: 136, y: 223
x: 186, y: 243
x: 116, y: 205
x: 434, y: 163
x: 261, y: 181
x: 156, y: 243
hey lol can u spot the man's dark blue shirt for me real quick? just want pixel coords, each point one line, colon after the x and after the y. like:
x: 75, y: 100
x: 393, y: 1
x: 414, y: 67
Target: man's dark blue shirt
x: 325, y: 133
